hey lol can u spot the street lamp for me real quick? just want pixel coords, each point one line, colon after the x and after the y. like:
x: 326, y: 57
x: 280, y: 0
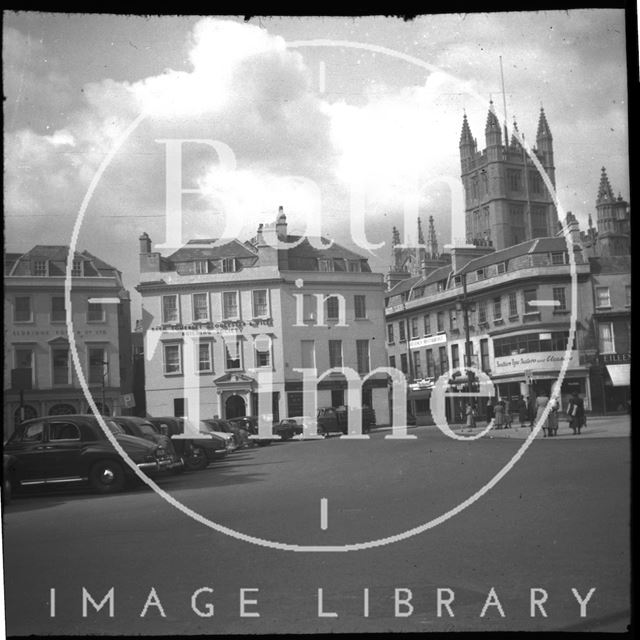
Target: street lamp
x: 462, y: 304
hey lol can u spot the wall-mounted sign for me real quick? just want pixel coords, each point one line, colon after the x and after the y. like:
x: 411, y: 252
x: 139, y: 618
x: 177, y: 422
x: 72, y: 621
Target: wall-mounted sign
x: 418, y: 343
x: 528, y: 363
x: 215, y: 327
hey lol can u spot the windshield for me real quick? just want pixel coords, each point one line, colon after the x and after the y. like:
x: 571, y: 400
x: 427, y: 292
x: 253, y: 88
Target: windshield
x: 209, y: 428
x: 147, y: 429
x: 116, y: 429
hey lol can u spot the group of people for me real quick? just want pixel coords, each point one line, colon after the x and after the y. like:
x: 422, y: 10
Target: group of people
x: 531, y: 411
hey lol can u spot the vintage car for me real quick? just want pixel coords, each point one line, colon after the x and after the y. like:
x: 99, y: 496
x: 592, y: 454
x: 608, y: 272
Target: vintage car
x: 72, y: 449
x: 224, y: 426
x: 335, y: 420
x: 196, y: 452
x: 250, y: 423
x: 288, y: 428
x: 142, y: 428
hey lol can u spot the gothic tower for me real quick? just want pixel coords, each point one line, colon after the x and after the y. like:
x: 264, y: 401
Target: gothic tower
x: 506, y: 200
x: 612, y: 220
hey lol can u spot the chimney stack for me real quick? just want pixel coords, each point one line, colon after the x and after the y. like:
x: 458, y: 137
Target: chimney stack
x: 281, y: 225
x: 145, y: 243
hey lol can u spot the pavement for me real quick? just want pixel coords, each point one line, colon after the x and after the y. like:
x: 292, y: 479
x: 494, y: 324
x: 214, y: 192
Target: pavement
x: 615, y: 426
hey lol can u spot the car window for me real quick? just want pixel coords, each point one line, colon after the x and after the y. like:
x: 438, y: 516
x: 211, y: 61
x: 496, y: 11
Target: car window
x: 63, y: 431
x: 31, y: 433
x: 116, y: 429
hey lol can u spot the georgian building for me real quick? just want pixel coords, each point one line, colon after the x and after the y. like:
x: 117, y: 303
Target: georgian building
x: 517, y: 303
x: 36, y: 346
x: 256, y: 308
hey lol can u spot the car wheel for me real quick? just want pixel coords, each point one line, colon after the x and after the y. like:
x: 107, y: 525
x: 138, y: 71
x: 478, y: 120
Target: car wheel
x: 197, y: 460
x: 107, y: 477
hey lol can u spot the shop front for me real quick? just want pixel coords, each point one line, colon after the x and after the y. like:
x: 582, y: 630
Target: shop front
x: 536, y: 374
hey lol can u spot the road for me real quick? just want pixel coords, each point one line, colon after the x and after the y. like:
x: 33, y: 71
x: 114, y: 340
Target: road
x: 559, y: 520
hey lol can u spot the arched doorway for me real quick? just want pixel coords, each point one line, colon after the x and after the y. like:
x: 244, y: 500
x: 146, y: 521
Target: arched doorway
x: 234, y: 407
x: 29, y: 412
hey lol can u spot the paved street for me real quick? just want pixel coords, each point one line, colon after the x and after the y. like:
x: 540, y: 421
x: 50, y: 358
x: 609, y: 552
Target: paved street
x: 558, y: 520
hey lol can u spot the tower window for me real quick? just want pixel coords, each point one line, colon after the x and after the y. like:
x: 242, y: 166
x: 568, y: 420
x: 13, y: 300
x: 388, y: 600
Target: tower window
x: 514, y: 179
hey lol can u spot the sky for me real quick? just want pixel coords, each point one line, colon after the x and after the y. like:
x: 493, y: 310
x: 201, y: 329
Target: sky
x: 368, y: 122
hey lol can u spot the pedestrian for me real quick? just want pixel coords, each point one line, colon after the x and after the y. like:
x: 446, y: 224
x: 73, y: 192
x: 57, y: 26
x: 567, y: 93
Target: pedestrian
x: 541, y: 403
x: 575, y: 411
x: 531, y: 411
x: 522, y: 411
x: 552, y: 419
x: 471, y: 421
x: 489, y: 410
x: 498, y: 415
x: 507, y: 414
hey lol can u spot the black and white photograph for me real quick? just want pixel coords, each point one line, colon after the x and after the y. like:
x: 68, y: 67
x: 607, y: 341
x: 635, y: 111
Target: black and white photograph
x: 317, y: 324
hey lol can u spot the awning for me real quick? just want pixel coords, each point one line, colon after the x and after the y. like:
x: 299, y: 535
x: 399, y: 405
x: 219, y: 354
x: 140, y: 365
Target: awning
x: 620, y: 374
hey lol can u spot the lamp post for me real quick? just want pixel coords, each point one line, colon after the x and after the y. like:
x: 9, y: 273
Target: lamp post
x: 462, y: 304
x: 105, y: 373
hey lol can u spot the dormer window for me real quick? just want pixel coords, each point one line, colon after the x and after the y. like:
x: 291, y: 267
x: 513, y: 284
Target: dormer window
x: 501, y: 267
x: 41, y: 268
x: 355, y: 266
x: 559, y: 257
x: 76, y: 268
x: 457, y: 281
x: 480, y: 274
x: 324, y: 265
x: 202, y: 266
x: 229, y: 265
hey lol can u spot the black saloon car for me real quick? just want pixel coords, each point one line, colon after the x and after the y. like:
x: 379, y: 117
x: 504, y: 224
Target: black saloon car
x: 196, y: 452
x: 141, y: 428
x: 73, y: 449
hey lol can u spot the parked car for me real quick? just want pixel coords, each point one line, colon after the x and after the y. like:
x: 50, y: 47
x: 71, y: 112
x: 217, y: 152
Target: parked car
x: 307, y: 424
x: 73, y: 449
x: 142, y: 428
x: 288, y: 428
x: 332, y: 420
x: 250, y: 423
x: 197, y: 452
x: 224, y: 426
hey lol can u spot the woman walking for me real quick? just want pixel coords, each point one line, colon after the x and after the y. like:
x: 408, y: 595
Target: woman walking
x: 471, y: 421
x: 541, y: 403
x: 498, y: 415
x: 552, y: 419
x: 575, y: 410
